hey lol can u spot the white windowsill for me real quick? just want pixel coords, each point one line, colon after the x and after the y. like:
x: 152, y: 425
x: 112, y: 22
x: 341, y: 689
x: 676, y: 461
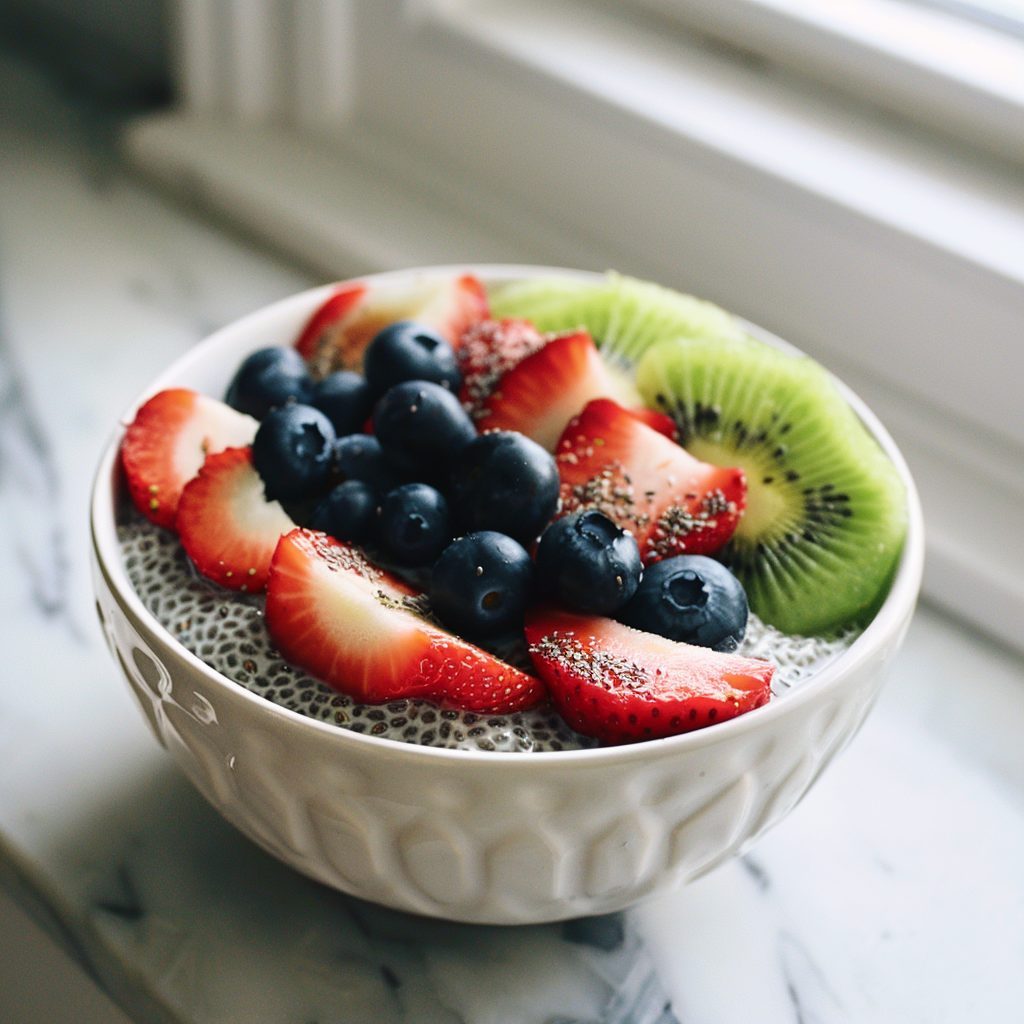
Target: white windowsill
x: 695, y: 172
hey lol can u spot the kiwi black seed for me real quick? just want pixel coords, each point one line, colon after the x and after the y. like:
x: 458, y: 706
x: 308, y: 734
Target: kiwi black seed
x: 623, y: 315
x: 826, y: 510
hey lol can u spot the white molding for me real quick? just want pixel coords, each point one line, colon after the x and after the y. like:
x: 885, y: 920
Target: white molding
x: 959, y: 76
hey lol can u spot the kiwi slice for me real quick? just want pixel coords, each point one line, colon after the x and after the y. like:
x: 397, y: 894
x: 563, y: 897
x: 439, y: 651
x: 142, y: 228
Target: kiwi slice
x: 623, y: 315
x: 826, y: 509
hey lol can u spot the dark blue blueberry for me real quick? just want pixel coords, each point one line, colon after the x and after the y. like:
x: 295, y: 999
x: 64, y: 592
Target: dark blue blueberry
x: 344, y: 398
x: 269, y: 378
x: 294, y: 452
x: 413, y: 527
x: 360, y: 457
x: 504, y: 481
x: 422, y: 427
x: 410, y: 351
x: 349, y: 512
x: 586, y: 563
x: 481, y: 583
x: 690, y: 598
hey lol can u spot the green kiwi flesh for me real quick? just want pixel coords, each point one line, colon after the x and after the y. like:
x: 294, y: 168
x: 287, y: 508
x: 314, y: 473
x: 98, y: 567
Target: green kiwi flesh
x: 623, y: 315
x: 826, y: 509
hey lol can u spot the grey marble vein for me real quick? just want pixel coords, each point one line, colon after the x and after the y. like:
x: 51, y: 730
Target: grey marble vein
x: 814, y: 1001
x: 31, y: 492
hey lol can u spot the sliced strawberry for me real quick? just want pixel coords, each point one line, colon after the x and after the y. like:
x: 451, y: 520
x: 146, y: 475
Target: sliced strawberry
x: 226, y: 525
x: 671, y: 502
x: 657, y: 421
x: 487, y: 351
x: 539, y: 395
x: 365, y: 633
x: 621, y: 685
x: 326, y: 328
x: 339, y: 331
x: 165, y: 445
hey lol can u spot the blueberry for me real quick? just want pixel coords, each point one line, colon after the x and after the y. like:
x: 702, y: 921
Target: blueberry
x: 294, y: 452
x: 349, y: 512
x: 410, y: 351
x: 267, y: 379
x: 422, y: 427
x: 481, y: 583
x: 504, y: 481
x: 414, y: 527
x: 344, y: 398
x: 360, y: 457
x: 690, y: 598
x: 588, y: 564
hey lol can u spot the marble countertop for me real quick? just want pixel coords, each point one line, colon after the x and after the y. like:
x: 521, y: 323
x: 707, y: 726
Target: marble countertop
x: 895, y: 892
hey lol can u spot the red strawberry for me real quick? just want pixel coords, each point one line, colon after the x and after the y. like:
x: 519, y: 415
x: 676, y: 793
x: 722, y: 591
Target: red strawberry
x: 539, y: 395
x: 326, y: 328
x: 487, y: 351
x: 670, y: 501
x: 621, y: 685
x: 365, y: 633
x: 339, y: 331
x: 657, y: 421
x: 227, y: 526
x: 165, y: 445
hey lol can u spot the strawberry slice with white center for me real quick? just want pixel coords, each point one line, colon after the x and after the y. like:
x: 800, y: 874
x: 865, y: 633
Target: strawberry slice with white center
x: 337, y: 334
x: 166, y: 443
x: 621, y: 685
x: 364, y: 632
x: 671, y: 502
x: 540, y: 394
x: 227, y: 526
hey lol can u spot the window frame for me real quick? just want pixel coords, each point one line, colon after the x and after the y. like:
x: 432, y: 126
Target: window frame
x: 917, y: 59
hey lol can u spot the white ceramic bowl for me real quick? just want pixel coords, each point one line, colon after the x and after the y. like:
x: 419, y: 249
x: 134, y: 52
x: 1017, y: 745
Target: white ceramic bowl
x: 477, y: 836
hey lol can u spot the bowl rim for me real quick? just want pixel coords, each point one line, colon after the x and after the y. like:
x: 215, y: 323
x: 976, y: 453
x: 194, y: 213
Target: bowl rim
x: 893, y: 613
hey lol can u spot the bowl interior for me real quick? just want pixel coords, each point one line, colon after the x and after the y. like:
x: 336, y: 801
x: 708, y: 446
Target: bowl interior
x: 208, y: 368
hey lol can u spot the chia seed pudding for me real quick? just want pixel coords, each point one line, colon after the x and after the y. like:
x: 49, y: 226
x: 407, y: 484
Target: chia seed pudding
x: 226, y: 630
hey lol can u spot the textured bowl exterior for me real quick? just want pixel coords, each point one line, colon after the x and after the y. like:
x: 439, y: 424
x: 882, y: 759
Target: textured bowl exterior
x: 473, y: 836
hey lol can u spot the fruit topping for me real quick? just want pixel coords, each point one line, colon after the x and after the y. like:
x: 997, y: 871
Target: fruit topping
x: 414, y: 525
x: 690, y: 598
x: 671, y: 502
x: 226, y: 525
x: 587, y: 563
x: 623, y: 315
x: 164, y: 446
x: 539, y: 395
x: 360, y: 457
x: 268, y: 378
x: 362, y: 631
x: 504, y: 481
x: 422, y: 427
x: 294, y: 452
x: 658, y: 421
x: 621, y: 685
x: 339, y: 331
x: 344, y: 398
x: 407, y: 350
x: 348, y: 512
x: 336, y: 334
x: 481, y: 583
x: 488, y: 350
x: 826, y: 510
